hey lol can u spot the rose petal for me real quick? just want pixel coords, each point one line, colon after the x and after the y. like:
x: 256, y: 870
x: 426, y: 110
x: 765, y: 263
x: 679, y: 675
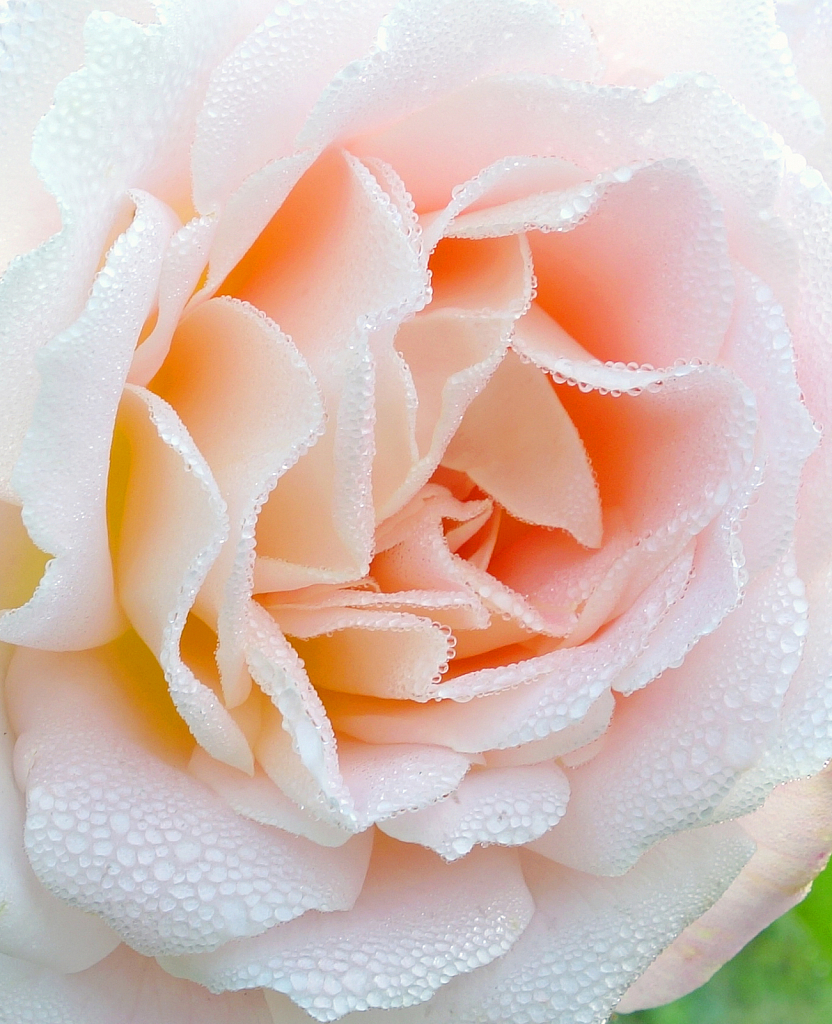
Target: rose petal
x: 251, y: 405
x: 793, y: 839
x: 169, y: 865
x: 758, y: 348
x: 414, y: 927
x: 259, y: 799
x: 342, y: 213
x: 126, y: 988
x: 376, y: 653
x: 738, y: 43
x: 424, y: 50
x: 507, y: 806
x: 259, y: 95
x: 34, y: 924
x: 676, y: 749
x: 518, y: 444
x: 183, y: 263
x: 521, y: 702
x: 61, y: 475
x: 591, y: 937
x: 687, y: 118
x: 173, y: 526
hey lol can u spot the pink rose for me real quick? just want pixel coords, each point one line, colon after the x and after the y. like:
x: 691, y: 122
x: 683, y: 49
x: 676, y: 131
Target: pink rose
x: 416, y: 528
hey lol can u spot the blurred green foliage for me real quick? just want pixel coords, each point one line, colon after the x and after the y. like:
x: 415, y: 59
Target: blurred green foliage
x: 783, y: 977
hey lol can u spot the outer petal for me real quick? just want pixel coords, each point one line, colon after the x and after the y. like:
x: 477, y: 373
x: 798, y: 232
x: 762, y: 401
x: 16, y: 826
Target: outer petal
x: 417, y: 924
x: 738, y: 42
x: 425, y: 49
x: 589, y: 937
x: 794, y: 836
x: 115, y: 830
x: 33, y: 923
x: 62, y: 473
x: 676, y: 749
x: 126, y: 988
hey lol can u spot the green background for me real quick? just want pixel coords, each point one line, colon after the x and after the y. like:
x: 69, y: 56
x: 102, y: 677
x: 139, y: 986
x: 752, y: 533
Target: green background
x: 783, y: 977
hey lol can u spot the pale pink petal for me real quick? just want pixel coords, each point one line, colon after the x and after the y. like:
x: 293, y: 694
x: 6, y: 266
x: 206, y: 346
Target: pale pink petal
x: 173, y: 526
x: 113, y: 126
x: 520, y: 702
x: 342, y: 213
x: 252, y: 407
x: 260, y: 95
x: 793, y: 840
x: 61, y: 475
x: 511, y: 183
x: 714, y: 589
x: 809, y: 31
x: 417, y: 924
x: 687, y: 118
x: 429, y: 48
x: 126, y: 988
x: 450, y: 357
x: 115, y: 830
x: 607, y: 281
x: 758, y: 348
x: 34, y: 924
x: 677, y: 748
x: 258, y: 798
x: 386, y: 779
x: 518, y: 444
x: 184, y: 261
x: 504, y: 806
x: 591, y: 937
x: 296, y: 745
x: 570, y: 744
x: 739, y: 43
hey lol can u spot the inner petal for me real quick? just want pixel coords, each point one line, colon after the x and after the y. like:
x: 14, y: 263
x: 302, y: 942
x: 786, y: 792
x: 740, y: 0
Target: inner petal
x: 519, y: 445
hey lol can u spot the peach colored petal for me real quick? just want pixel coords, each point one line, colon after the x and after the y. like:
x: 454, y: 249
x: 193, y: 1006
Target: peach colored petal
x: 676, y: 749
x: 252, y: 407
x: 113, y: 126
x: 339, y: 210
x: 793, y: 839
x: 424, y: 51
x: 414, y: 928
x: 216, y: 875
x: 507, y: 806
x: 607, y: 281
x: 518, y: 444
x: 247, y: 212
x: 590, y: 937
x: 126, y: 988
x: 376, y: 653
x: 173, y: 526
x: 738, y: 43
x: 521, y: 702
x: 62, y: 471
x: 450, y: 357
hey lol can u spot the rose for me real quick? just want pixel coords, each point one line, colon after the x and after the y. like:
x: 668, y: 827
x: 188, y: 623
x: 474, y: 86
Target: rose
x: 414, y: 443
